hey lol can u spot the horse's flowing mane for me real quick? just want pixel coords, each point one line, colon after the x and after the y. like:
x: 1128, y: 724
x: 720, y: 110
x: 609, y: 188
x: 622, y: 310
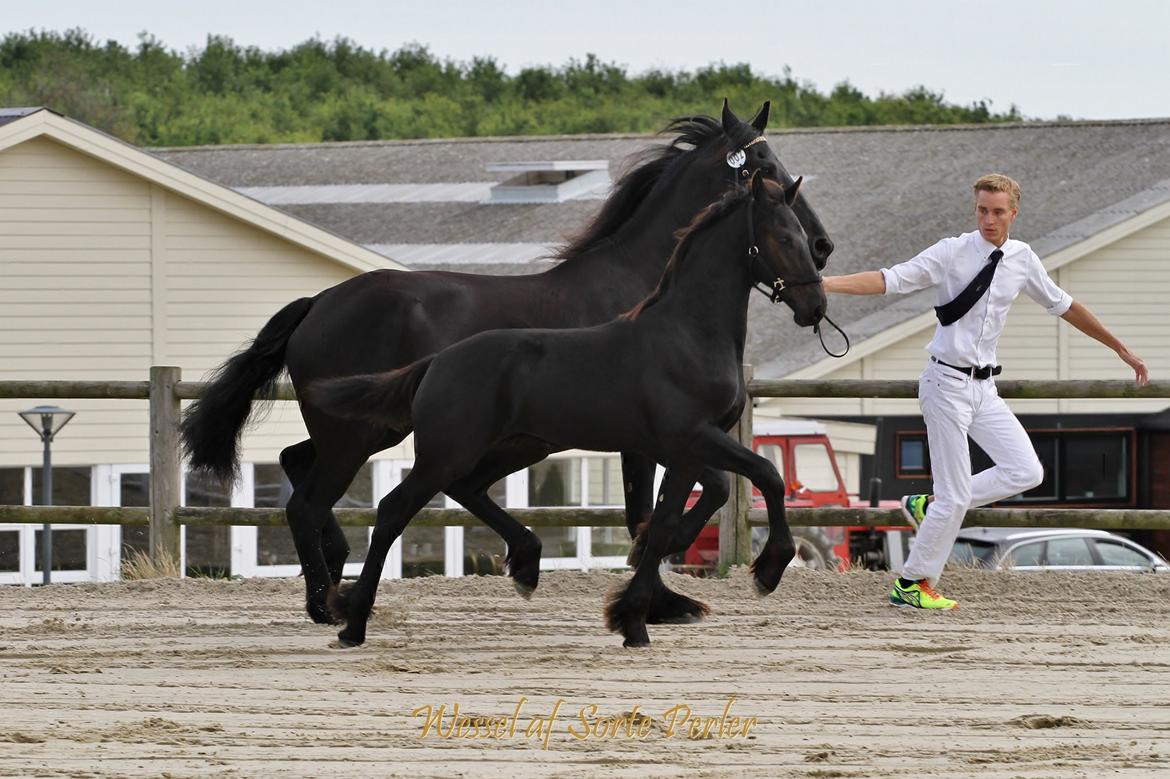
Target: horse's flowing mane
x: 711, y: 214
x: 650, y: 167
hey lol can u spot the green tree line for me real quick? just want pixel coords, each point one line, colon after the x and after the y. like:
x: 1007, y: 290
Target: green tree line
x: 339, y: 91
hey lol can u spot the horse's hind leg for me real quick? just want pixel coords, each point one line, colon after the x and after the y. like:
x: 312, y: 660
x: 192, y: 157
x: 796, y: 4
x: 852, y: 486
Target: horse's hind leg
x: 297, y: 461
x: 524, y: 546
x: 309, y: 511
x: 394, y: 513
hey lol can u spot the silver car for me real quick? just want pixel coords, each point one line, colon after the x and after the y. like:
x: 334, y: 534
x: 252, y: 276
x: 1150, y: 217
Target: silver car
x: 1023, y: 549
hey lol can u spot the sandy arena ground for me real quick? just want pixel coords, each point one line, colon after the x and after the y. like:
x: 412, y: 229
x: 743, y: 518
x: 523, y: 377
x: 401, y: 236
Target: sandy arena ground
x: 1036, y: 676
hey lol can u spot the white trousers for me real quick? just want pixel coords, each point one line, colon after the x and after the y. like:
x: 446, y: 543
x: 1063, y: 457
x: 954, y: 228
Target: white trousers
x: 956, y: 406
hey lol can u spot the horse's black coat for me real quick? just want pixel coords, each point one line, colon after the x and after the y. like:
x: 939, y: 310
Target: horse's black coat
x: 664, y: 381
x: 387, y: 319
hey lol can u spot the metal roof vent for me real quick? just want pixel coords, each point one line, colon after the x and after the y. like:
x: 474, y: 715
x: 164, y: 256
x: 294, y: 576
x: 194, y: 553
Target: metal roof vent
x: 550, y: 181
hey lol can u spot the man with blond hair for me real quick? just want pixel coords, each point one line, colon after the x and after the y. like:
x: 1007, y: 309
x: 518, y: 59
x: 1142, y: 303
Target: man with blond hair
x: 977, y: 275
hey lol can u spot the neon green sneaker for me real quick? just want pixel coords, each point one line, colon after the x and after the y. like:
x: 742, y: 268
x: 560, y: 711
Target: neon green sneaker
x: 919, y: 595
x: 914, y: 509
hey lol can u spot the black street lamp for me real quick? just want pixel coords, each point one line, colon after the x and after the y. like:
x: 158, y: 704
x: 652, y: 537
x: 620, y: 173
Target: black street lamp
x: 47, y: 421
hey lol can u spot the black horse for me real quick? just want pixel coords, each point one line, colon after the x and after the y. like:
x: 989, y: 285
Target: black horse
x: 662, y: 380
x: 387, y: 319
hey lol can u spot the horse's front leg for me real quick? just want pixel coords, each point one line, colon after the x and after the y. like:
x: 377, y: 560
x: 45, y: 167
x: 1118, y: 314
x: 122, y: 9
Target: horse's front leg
x: 666, y: 605
x: 627, y: 611
x: 470, y: 491
x: 638, y: 488
x: 711, y: 499
x: 719, y: 450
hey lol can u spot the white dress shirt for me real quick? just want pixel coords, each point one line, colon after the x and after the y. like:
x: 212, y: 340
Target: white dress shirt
x: 949, y: 266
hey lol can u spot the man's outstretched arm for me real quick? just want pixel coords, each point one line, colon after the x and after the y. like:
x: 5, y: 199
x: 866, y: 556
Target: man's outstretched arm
x: 1083, y: 319
x: 870, y: 282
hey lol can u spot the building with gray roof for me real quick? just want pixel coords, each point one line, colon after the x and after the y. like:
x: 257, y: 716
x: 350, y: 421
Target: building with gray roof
x: 1095, y: 207
x: 884, y: 194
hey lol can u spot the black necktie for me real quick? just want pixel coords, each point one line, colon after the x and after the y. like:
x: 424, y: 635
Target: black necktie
x: 952, y: 312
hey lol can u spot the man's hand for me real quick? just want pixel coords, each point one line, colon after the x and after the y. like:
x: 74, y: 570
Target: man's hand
x: 1141, y: 372
x: 1082, y: 319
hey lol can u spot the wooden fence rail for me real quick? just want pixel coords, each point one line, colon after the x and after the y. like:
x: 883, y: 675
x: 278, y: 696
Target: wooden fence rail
x: 757, y: 388
x: 165, y: 391
x: 1105, y: 519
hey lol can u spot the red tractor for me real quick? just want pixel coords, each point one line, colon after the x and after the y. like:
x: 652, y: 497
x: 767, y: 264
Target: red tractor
x: 801, y: 451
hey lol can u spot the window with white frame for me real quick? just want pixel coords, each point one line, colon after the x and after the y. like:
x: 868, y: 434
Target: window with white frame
x: 483, y: 550
x: 11, y: 494
x: 207, y: 550
x: 71, y: 487
x: 80, y: 552
x: 272, y: 489
x: 424, y: 549
x: 556, y: 482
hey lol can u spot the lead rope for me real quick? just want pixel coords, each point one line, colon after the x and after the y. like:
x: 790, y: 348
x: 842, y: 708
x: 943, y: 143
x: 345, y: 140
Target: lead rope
x: 773, y: 297
x: 820, y: 333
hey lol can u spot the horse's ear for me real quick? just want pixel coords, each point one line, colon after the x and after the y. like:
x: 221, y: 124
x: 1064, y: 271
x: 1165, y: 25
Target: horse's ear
x: 730, y: 120
x: 761, y: 118
x: 759, y: 190
x: 790, y: 193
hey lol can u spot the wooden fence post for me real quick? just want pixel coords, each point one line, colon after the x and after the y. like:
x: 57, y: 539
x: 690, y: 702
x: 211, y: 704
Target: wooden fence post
x: 164, y: 462
x: 735, y: 537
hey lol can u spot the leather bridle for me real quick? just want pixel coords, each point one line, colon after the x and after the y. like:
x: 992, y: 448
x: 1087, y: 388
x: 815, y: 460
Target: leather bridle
x: 762, y: 276
x: 779, y: 285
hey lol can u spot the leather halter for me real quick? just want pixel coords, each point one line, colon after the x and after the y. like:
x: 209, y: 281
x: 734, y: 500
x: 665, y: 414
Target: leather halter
x: 780, y: 286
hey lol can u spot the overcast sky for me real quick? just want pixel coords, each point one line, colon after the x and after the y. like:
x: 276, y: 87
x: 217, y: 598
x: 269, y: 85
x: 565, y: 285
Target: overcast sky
x: 1079, y: 58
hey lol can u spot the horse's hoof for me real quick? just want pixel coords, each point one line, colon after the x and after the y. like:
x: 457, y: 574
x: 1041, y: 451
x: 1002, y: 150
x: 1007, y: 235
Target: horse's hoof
x: 765, y: 585
x: 525, y: 591
x: 347, y: 639
x: 634, y: 633
x: 525, y: 572
x: 767, y: 570
x: 320, y: 613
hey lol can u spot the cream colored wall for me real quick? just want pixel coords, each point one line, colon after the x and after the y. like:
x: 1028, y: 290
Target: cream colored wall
x: 816, y: 407
x: 1127, y: 285
x: 223, y: 281
x: 103, y: 274
x: 74, y: 296
x: 850, y: 466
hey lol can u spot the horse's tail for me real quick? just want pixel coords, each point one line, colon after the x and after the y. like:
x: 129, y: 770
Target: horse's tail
x: 384, y: 398
x: 212, y: 425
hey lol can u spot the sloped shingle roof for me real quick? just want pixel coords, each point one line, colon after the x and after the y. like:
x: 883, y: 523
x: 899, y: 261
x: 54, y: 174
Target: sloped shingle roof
x: 12, y: 114
x: 884, y: 194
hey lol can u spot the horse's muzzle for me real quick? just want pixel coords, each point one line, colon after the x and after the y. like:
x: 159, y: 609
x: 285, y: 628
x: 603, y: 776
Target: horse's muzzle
x: 809, y: 319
